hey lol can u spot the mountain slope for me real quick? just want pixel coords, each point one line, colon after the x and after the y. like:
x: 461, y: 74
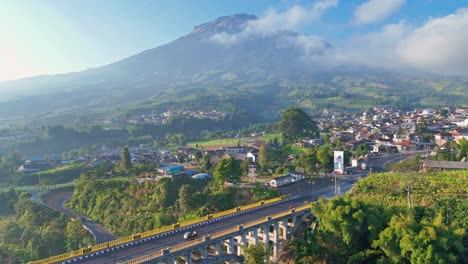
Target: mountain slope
x: 224, y: 62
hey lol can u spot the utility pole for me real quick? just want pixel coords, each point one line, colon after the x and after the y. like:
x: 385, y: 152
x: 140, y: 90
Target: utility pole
x: 313, y: 188
x: 337, y: 187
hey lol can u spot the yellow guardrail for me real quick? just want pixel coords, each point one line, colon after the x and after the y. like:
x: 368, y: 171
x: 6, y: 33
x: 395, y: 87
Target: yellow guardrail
x: 139, y: 236
x: 146, y: 258
x: 213, y: 236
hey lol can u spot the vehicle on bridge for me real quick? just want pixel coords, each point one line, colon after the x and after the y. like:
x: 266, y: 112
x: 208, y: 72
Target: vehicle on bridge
x: 190, y: 235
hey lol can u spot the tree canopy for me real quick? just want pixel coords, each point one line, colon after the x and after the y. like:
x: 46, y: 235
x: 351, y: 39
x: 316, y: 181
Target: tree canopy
x: 373, y: 224
x: 227, y: 169
x: 126, y: 162
x: 295, y: 123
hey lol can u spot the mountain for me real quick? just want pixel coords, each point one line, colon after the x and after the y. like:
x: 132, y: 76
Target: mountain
x: 226, y: 64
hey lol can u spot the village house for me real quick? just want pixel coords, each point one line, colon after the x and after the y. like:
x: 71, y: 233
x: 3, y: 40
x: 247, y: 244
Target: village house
x: 428, y: 165
x: 285, y: 179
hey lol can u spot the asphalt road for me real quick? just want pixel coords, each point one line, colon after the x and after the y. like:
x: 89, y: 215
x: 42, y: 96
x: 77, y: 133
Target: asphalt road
x: 378, y: 164
x: 303, y: 191
x: 307, y: 190
x: 57, y: 200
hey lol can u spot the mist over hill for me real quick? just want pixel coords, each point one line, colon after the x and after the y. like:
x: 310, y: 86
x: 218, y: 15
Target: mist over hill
x: 226, y: 63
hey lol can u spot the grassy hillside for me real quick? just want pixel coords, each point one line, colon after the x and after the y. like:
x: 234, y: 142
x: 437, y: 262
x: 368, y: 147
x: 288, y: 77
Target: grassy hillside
x: 264, y: 97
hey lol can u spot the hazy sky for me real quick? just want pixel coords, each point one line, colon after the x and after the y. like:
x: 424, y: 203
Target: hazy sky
x: 56, y: 36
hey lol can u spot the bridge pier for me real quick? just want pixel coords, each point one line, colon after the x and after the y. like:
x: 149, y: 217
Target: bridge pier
x: 228, y: 246
x: 231, y: 245
x: 266, y: 239
x: 218, y: 248
x: 275, y: 239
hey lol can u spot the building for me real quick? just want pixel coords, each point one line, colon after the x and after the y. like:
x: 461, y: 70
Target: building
x: 234, y: 150
x: 443, y: 165
x: 285, y: 179
x: 252, y: 155
x: 170, y: 169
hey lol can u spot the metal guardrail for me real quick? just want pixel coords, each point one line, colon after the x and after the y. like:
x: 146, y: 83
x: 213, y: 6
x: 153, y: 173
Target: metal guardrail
x: 151, y: 233
x: 41, y: 188
x: 213, y: 236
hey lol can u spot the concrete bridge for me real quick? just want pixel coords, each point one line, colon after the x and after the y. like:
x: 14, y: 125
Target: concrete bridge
x: 228, y: 245
x: 221, y: 237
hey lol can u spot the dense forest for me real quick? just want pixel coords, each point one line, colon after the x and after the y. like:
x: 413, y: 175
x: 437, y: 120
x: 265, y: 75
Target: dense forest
x: 59, y: 139
x: 128, y: 207
x: 29, y: 231
x: 400, y: 217
x: 392, y: 218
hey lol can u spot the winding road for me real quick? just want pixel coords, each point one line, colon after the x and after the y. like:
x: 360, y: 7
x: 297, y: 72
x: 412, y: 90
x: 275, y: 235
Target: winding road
x: 324, y: 188
x: 307, y: 190
x: 56, y: 200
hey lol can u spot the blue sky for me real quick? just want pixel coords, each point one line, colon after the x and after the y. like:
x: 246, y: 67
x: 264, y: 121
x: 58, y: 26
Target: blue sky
x: 57, y: 36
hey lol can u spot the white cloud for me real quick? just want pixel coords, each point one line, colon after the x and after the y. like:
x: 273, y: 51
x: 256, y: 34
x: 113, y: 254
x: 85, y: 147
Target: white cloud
x: 376, y: 10
x: 273, y: 21
x: 310, y: 45
x: 290, y: 19
x: 438, y: 46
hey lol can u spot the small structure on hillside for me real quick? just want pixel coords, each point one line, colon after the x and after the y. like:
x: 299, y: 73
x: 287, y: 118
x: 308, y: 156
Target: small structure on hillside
x: 170, y: 169
x: 443, y: 165
x: 288, y: 178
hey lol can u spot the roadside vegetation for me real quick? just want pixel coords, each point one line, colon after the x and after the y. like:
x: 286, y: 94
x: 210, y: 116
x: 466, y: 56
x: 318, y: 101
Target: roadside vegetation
x: 29, y: 231
x: 392, y: 218
x: 386, y: 218
x: 127, y: 207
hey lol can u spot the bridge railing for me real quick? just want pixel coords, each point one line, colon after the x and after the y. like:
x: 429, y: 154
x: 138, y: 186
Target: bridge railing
x: 213, y: 236
x: 29, y: 188
x: 151, y: 233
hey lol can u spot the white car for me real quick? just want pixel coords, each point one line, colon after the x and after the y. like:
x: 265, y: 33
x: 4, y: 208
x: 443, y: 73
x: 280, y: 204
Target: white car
x: 190, y: 235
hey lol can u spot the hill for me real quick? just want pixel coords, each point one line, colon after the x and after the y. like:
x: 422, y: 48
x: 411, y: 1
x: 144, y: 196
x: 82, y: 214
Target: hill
x: 222, y: 65
x: 392, y: 218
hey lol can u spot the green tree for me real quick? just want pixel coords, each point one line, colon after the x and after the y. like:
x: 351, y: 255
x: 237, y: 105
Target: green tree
x: 443, y: 112
x: 186, y: 192
x: 357, y: 223
x: 408, y: 241
x: 245, y: 166
x: 126, y: 162
x: 227, y: 169
x: 177, y: 139
x: 462, y: 148
x: 254, y: 254
x: 198, y: 155
x: 263, y: 158
x: 325, y: 156
x: 308, y: 161
x: 295, y: 123
x: 361, y: 150
x: 206, y: 162
x: 75, y: 235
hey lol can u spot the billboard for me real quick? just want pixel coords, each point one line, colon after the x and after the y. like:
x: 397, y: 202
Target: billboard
x: 338, y: 162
